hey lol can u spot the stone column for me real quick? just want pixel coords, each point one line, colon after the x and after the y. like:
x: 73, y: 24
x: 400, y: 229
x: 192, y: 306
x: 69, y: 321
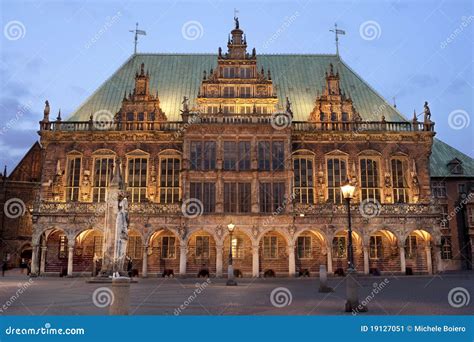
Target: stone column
x: 219, y: 260
x: 291, y: 260
x: 329, y: 259
x: 70, y: 258
x: 182, y: 259
x: 403, y: 263
x: 43, y: 259
x: 366, y: 259
x: 34, y: 260
x: 429, y: 263
x: 255, y: 262
x: 145, y: 262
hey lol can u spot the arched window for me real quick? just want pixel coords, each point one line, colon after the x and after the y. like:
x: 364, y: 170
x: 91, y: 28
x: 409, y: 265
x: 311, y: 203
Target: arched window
x: 369, y: 179
x: 304, y: 180
x: 337, y: 175
x: 103, y: 167
x: 169, y: 179
x: 398, y: 182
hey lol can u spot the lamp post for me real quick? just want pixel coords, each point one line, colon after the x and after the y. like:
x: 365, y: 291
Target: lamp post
x: 352, y: 303
x: 230, y: 270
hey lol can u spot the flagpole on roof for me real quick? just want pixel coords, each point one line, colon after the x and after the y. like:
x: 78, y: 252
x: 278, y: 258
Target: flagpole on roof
x: 337, y: 32
x: 137, y: 32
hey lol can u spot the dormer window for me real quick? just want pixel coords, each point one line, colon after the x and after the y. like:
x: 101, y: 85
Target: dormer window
x: 455, y: 167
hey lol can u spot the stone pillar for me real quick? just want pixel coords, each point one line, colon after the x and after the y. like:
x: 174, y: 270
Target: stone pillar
x: 70, y: 258
x: 366, y: 259
x: 182, y: 259
x: 34, y: 260
x: 429, y: 263
x: 219, y: 260
x: 291, y: 260
x: 145, y: 262
x: 329, y: 257
x: 121, y: 296
x: 255, y: 262
x: 403, y: 263
x: 43, y: 259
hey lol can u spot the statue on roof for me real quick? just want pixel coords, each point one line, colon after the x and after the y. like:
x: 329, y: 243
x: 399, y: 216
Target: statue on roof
x: 142, y: 69
x: 427, y: 112
x: 46, y: 111
x: 288, y: 107
x: 236, y: 22
x: 185, y: 104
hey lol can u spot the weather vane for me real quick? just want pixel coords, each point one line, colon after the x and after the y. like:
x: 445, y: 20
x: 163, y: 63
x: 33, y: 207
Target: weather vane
x: 337, y: 32
x: 137, y: 32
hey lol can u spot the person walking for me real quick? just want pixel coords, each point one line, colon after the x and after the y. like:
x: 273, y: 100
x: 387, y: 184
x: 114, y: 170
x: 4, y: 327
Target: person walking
x: 4, y: 268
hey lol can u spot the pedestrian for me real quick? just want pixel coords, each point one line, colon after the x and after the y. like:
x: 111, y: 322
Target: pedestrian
x: 28, y: 267
x: 4, y: 268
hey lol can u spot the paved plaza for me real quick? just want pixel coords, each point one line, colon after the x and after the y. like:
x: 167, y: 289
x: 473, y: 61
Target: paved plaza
x: 386, y: 295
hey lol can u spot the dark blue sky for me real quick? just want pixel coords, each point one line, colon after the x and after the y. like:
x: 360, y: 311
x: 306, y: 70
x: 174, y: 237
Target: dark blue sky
x: 411, y: 50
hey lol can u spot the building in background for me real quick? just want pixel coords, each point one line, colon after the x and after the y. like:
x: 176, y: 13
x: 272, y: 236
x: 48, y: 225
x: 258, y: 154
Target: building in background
x: 260, y: 141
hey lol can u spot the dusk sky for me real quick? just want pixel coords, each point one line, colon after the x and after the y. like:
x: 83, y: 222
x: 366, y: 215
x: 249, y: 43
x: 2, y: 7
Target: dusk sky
x: 414, y: 51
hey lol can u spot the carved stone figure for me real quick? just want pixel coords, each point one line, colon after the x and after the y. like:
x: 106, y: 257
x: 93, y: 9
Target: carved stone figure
x: 86, y: 186
x: 57, y: 184
x: 46, y: 111
x: 121, y: 235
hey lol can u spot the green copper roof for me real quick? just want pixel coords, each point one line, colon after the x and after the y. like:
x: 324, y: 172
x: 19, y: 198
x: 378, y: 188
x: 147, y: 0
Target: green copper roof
x: 442, y: 154
x: 298, y: 77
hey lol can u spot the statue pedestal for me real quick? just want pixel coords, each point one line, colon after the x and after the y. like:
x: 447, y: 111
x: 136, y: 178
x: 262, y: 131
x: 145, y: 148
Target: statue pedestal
x: 121, y: 291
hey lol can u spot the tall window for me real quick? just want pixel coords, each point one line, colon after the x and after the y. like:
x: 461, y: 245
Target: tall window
x: 202, y: 247
x: 270, y: 247
x: 203, y: 155
x: 169, y: 180
x: 134, y: 247
x: 439, y: 189
x: 337, y: 175
x: 271, y: 155
x: 245, y: 72
x: 73, y: 179
x: 375, y: 247
x: 137, y: 178
x: 229, y: 72
x: 410, y: 247
x: 206, y: 193
x: 304, y: 184
x: 102, y: 174
x: 168, y: 247
x: 304, y: 247
x: 271, y: 197
x: 369, y: 176
x: 446, y: 249
x: 237, y: 247
x: 339, y: 247
x: 230, y: 155
x: 398, y: 182
x: 237, y: 197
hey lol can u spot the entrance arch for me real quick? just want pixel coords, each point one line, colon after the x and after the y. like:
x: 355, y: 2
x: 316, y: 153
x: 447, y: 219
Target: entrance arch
x: 241, y: 253
x: 339, y: 251
x: 201, y: 254
x: 89, y: 251
x: 383, y: 252
x: 310, y: 252
x: 273, y: 254
x: 163, y: 252
x: 418, y: 254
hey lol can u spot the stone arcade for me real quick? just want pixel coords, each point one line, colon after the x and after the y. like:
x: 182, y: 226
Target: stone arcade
x: 264, y: 142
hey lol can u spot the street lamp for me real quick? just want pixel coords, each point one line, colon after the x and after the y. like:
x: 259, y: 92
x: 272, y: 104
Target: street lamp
x: 352, y: 303
x: 230, y: 270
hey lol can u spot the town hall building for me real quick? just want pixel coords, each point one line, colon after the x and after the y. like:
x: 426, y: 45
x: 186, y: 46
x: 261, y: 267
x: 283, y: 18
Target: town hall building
x: 260, y: 141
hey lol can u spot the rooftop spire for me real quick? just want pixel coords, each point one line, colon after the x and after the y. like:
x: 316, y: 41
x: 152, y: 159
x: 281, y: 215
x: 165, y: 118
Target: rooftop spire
x: 337, y: 32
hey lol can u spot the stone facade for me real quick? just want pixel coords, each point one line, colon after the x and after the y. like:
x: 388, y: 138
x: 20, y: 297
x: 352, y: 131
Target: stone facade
x: 238, y: 157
